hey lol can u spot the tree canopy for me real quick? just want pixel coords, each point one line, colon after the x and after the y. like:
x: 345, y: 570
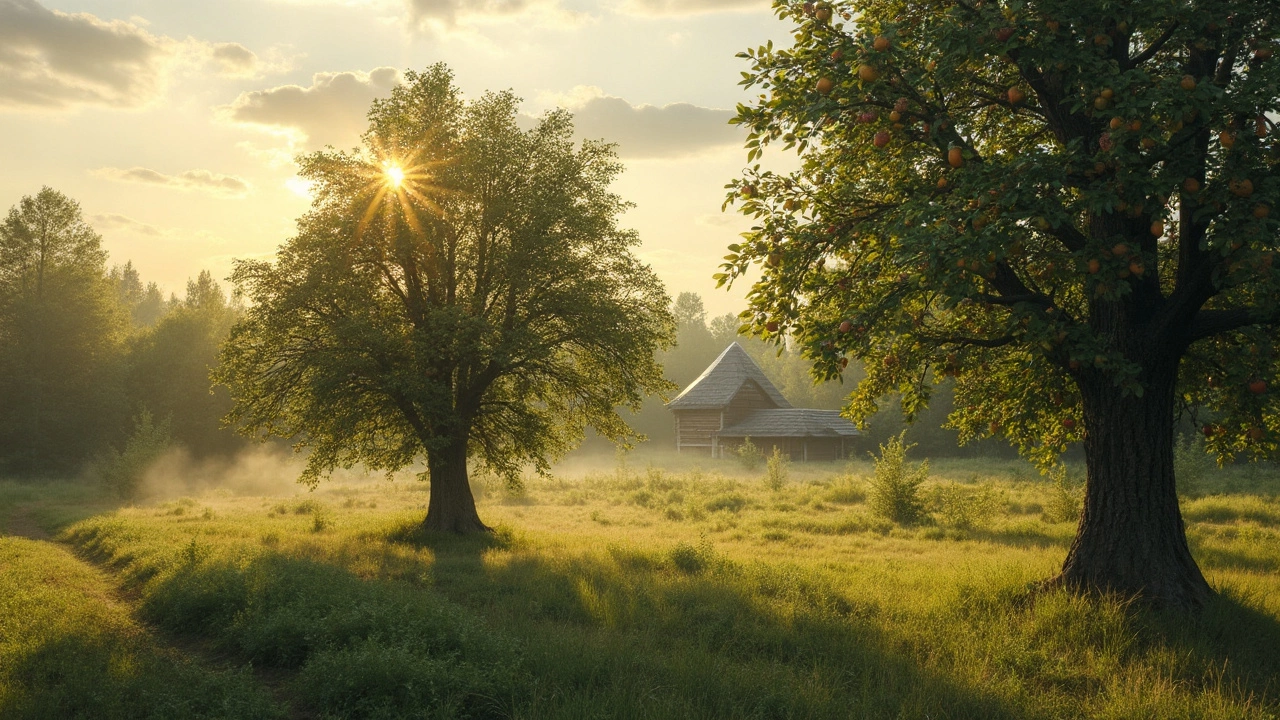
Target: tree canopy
x: 1067, y: 206
x: 460, y: 288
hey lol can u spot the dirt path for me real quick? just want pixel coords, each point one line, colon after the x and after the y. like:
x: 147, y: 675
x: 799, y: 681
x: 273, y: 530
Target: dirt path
x: 23, y: 524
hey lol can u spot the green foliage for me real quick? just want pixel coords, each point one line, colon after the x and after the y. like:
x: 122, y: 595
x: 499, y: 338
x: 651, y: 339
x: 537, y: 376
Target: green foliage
x: 776, y: 470
x: 895, y: 486
x: 749, y: 455
x: 123, y: 471
x: 1067, y: 499
x: 1191, y: 465
x: 490, y: 305
x: 60, y: 336
x: 961, y: 508
x: 1032, y: 199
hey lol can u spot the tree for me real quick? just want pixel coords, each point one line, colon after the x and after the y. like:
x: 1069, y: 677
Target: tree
x: 170, y: 363
x: 60, y: 335
x: 460, y: 288
x: 1065, y: 205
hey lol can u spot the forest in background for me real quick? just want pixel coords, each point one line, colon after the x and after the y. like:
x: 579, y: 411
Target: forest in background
x: 100, y: 371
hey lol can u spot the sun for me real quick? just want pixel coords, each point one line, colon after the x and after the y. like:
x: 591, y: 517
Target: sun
x: 395, y: 175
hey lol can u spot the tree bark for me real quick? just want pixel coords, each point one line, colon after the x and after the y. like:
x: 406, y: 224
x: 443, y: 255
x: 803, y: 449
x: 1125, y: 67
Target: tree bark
x: 451, y: 507
x: 1131, y: 540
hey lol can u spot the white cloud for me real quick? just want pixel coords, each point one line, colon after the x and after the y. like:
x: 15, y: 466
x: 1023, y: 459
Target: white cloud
x: 204, y: 180
x: 116, y: 221
x: 691, y: 7
x: 331, y: 111
x: 446, y: 15
x: 647, y: 131
x: 54, y: 60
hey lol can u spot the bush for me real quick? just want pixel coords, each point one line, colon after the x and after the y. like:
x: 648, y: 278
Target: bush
x: 846, y: 490
x: 1067, y: 499
x: 962, y: 509
x: 776, y: 470
x: 895, y: 487
x: 1191, y: 465
x: 122, y: 472
x: 749, y: 455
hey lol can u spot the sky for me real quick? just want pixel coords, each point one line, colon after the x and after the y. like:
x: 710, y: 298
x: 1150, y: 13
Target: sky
x: 175, y: 123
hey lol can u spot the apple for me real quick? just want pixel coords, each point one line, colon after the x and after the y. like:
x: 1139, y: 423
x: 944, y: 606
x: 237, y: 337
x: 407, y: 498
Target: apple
x: 1120, y: 250
x: 844, y: 363
x: 1073, y: 364
x: 1101, y: 39
x: 1257, y: 387
x: 822, y: 14
x: 1004, y: 33
x: 1107, y: 93
x: 1241, y: 188
x: 1188, y: 82
x: 1256, y: 433
x: 894, y: 116
x: 955, y: 157
x: 1227, y: 139
x: 1016, y: 96
x: 1208, y: 430
x: 1147, y: 143
x: 837, y: 55
x: 1261, y: 211
x: 771, y: 326
x: 881, y: 43
x: 825, y: 85
x: 1263, y: 53
x: 774, y: 259
x: 1136, y: 268
x: 1094, y: 266
x: 1101, y: 103
x: 868, y: 73
x: 1053, y: 25
x: 881, y: 139
x: 808, y: 9
x: 1068, y: 423
x: 1191, y: 185
x: 1260, y: 126
x: 901, y: 105
x: 1116, y: 123
x: 1105, y: 143
x: 867, y: 117
x: 942, y: 182
x: 846, y: 326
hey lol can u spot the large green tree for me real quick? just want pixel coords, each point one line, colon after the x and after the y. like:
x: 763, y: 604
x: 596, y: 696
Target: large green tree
x: 60, y: 337
x: 1065, y: 204
x: 460, y: 288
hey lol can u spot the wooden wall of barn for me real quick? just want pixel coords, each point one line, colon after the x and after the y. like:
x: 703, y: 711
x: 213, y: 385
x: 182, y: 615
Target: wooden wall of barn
x: 694, y: 429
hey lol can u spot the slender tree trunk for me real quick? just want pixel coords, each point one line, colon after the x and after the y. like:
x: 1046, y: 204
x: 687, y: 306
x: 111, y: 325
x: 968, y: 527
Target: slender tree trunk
x: 1131, y: 539
x: 452, y: 507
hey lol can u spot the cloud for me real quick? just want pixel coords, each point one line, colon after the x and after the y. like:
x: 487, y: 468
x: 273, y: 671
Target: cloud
x: 331, y: 111
x: 691, y: 7
x: 54, y: 60
x: 205, y: 180
x: 648, y: 131
x: 446, y: 15
x: 115, y: 221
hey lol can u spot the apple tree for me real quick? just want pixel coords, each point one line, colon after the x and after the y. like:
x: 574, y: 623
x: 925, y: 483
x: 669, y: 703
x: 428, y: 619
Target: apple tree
x: 459, y: 290
x: 1065, y: 205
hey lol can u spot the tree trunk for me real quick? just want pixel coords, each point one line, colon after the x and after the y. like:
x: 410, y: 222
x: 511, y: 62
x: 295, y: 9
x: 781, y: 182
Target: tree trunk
x: 1131, y: 540
x: 452, y: 507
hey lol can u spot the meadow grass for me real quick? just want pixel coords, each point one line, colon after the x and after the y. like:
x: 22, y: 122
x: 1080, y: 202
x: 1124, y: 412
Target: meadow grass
x: 676, y: 587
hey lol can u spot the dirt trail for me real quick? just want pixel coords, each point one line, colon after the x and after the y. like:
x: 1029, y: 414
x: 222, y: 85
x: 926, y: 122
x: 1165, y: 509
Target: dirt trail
x: 23, y: 524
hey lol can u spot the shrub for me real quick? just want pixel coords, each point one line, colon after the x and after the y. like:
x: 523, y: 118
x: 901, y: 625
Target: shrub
x: 776, y: 470
x: 895, y: 487
x: 1191, y: 465
x: 1067, y: 498
x: 749, y: 456
x: 846, y: 490
x: 731, y: 502
x: 959, y: 508
x: 122, y: 471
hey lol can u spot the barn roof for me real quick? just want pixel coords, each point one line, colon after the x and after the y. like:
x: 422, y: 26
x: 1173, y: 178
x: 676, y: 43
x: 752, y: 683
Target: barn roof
x: 791, y: 422
x: 717, y: 385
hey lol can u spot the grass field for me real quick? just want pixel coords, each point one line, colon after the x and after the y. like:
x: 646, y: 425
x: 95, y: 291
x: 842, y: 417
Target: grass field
x: 656, y: 587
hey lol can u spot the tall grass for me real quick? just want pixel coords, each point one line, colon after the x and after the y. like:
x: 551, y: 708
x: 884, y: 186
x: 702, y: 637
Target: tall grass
x: 701, y: 592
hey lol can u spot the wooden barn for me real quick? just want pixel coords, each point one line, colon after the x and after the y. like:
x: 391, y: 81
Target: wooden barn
x: 733, y: 400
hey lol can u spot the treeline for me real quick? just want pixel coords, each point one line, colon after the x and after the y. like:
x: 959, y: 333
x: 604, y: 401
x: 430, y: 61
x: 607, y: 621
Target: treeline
x: 699, y: 340
x: 92, y: 355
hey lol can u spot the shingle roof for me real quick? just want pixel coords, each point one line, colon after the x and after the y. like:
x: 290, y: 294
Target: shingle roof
x: 791, y: 422
x: 717, y: 385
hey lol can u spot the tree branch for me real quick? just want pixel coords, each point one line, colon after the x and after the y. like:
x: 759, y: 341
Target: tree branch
x: 1155, y: 47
